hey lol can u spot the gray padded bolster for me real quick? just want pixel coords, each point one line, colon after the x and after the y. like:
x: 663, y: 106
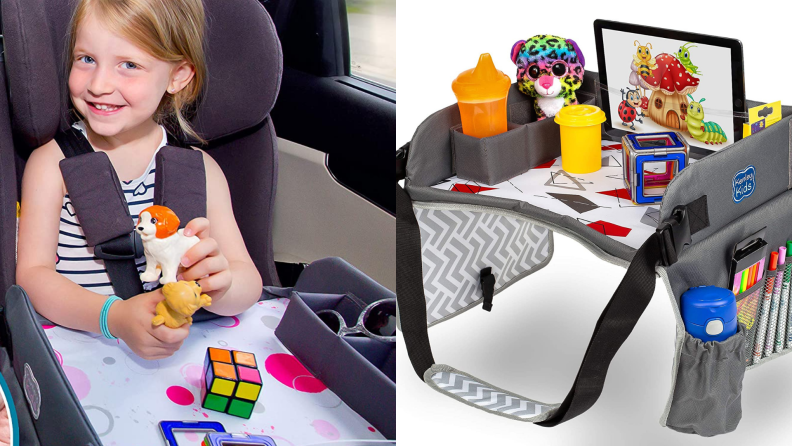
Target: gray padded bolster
x: 97, y: 197
x: 180, y: 183
x: 767, y: 151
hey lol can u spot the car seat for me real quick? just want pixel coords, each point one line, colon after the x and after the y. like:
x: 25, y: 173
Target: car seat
x: 243, y: 84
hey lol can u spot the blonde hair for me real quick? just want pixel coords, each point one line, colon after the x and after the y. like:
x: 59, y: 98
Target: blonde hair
x: 169, y: 30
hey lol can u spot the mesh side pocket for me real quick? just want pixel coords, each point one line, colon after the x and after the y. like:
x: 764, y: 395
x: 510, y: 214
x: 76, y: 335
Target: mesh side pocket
x: 748, y: 313
x: 708, y: 392
x: 763, y: 315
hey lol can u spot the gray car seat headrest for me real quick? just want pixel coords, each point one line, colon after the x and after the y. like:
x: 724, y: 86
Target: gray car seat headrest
x: 244, y: 62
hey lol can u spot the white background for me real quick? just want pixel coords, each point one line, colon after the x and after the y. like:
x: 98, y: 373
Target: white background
x: 534, y: 339
x: 714, y: 62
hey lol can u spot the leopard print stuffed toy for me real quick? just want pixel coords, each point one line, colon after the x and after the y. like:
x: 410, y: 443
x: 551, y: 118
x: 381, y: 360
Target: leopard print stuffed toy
x: 550, y: 69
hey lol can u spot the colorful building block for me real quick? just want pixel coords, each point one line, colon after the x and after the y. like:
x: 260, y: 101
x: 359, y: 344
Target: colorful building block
x: 650, y: 161
x: 231, y: 382
x: 227, y: 439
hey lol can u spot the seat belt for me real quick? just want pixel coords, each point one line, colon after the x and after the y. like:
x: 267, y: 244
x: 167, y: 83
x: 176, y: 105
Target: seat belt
x: 98, y: 199
x: 615, y: 324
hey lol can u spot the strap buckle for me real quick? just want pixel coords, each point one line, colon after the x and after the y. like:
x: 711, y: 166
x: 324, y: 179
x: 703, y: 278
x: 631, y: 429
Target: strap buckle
x: 124, y: 247
x: 401, y: 162
x: 487, y: 281
x: 674, y: 235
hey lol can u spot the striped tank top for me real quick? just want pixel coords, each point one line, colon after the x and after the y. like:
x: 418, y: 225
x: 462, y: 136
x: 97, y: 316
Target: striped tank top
x: 75, y: 259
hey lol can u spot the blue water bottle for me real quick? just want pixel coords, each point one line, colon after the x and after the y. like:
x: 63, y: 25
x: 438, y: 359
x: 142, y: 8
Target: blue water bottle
x: 709, y: 313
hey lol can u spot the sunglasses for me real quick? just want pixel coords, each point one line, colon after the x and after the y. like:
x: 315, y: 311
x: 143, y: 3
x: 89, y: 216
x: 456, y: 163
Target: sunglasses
x: 558, y: 69
x: 377, y: 321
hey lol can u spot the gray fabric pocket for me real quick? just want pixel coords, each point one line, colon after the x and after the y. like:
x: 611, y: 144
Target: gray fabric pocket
x: 527, y: 144
x: 708, y: 393
x: 494, y: 159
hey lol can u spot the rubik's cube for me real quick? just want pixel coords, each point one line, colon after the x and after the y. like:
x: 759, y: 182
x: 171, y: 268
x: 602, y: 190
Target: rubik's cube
x: 231, y: 382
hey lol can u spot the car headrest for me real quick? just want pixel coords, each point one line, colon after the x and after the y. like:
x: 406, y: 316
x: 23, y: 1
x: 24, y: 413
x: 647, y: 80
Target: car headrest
x: 243, y: 54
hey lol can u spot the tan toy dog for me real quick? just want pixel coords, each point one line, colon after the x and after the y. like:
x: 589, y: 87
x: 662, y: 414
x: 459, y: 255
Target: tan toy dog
x: 182, y: 300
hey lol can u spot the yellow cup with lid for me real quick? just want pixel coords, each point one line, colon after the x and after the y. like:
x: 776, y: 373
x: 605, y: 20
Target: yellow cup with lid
x: 581, y: 147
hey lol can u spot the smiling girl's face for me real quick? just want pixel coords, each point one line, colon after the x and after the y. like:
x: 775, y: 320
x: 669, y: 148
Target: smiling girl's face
x: 115, y: 85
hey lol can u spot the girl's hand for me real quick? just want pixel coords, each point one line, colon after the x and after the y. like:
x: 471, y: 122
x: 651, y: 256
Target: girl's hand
x: 130, y: 320
x: 204, y: 262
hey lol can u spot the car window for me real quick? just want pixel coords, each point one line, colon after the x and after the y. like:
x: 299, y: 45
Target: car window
x: 372, y: 40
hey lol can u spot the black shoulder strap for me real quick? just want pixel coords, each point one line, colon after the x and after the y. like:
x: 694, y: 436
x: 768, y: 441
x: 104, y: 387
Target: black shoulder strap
x: 613, y: 327
x: 180, y: 183
x: 98, y: 199
x: 72, y: 143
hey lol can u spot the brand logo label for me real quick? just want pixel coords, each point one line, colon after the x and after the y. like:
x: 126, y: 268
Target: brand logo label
x: 744, y: 184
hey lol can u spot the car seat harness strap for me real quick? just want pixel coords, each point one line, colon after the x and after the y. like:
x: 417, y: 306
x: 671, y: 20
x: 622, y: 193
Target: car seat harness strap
x: 98, y: 199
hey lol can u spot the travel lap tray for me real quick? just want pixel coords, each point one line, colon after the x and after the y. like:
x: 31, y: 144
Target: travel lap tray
x: 461, y: 241
x: 106, y: 394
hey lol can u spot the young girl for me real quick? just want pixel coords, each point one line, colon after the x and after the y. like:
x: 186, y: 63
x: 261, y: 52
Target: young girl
x: 132, y: 66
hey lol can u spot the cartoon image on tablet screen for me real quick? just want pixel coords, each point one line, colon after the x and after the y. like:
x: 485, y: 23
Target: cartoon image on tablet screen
x: 665, y: 80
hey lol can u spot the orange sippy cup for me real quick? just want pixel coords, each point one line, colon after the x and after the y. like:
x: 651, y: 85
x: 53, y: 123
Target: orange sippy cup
x: 481, y: 94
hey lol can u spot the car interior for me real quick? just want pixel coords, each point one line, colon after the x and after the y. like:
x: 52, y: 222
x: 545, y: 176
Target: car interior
x: 301, y: 136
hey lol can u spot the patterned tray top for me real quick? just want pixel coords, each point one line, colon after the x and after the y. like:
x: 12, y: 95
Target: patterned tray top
x: 125, y: 397
x: 599, y: 200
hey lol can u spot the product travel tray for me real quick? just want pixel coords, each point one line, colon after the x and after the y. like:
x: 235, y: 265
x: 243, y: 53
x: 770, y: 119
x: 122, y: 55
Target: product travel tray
x: 461, y: 241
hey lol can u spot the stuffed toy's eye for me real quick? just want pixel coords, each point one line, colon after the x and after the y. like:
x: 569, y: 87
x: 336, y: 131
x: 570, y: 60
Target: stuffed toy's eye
x: 559, y: 69
x: 533, y: 71
x: 153, y: 221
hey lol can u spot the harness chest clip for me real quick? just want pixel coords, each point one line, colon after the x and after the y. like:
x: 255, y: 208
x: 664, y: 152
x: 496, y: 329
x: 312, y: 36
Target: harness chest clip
x: 124, y: 247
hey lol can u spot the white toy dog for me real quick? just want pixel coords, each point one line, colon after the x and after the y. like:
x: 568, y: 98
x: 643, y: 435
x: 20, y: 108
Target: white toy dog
x: 163, y: 243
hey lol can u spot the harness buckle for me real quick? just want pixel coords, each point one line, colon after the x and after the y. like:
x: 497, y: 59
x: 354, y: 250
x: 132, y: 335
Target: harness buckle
x: 674, y: 235
x: 124, y: 247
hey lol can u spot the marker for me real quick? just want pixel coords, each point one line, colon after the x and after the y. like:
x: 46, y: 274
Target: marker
x: 783, y: 316
x: 751, y: 276
x: 761, y: 270
x: 774, y: 302
x: 789, y: 316
x: 736, y: 286
x: 761, y: 330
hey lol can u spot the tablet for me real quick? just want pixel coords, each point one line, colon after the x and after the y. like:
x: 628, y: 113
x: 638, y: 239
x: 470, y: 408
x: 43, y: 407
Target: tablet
x: 656, y: 80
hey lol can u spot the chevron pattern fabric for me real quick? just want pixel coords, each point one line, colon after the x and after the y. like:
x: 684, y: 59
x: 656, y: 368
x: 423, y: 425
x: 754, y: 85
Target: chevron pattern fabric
x: 457, y: 244
x: 486, y: 397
